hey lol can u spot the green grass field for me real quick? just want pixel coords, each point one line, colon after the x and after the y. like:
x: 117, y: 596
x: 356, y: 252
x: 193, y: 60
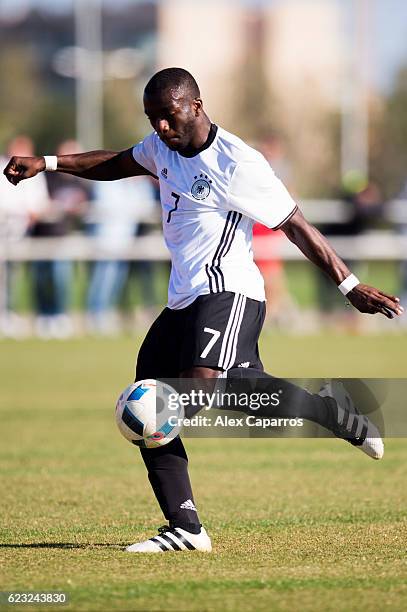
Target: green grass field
x: 296, y: 524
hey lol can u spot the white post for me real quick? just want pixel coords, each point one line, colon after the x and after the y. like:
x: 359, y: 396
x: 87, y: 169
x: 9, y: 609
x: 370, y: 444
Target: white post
x: 89, y: 79
x: 355, y: 141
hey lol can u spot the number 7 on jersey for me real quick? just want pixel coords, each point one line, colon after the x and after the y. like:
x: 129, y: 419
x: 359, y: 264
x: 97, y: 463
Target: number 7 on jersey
x: 215, y: 335
x: 177, y: 197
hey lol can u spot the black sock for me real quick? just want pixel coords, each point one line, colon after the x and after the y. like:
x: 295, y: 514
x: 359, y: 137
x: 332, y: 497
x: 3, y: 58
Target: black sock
x: 191, y: 527
x: 167, y: 468
x: 295, y: 402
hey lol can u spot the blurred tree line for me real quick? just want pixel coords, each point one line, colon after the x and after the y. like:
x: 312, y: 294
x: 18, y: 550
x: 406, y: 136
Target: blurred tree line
x: 388, y: 138
x: 35, y: 100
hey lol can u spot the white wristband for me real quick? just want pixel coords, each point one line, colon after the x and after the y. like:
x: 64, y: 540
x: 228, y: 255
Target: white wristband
x: 348, y: 284
x: 51, y: 162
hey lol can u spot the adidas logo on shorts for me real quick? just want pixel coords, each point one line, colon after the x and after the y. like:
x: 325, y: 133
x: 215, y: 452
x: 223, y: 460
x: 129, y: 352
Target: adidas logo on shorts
x: 188, y: 505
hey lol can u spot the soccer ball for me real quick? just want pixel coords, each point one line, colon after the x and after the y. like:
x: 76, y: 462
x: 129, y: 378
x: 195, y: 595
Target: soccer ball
x: 148, y: 413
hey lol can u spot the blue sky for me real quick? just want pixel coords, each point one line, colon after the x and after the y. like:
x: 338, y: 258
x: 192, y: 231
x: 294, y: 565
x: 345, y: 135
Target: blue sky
x: 388, y: 29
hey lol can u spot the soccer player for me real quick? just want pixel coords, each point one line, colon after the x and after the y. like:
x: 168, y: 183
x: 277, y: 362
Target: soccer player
x: 213, y: 188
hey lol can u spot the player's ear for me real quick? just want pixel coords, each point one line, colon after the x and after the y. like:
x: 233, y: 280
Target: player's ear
x: 198, y: 106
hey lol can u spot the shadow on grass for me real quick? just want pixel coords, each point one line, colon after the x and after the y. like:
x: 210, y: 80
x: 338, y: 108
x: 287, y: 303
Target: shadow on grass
x: 62, y: 545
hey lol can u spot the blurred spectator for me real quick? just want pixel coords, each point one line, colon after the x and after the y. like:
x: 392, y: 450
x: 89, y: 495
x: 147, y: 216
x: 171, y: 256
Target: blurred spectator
x: 20, y: 207
x: 52, y: 280
x: 279, y: 301
x: 273, y: 147
x: 367, y: 210
x: 116, y: 213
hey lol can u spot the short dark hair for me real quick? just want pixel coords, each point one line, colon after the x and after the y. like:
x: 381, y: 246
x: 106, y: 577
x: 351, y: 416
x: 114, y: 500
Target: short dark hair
x: 170, y: 79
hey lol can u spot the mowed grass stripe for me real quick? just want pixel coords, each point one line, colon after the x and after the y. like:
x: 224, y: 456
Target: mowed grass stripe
x: 296, y: 524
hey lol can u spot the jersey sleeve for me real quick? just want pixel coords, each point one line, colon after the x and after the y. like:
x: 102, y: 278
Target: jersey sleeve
x: 255, y: 191
x: 144, y: 153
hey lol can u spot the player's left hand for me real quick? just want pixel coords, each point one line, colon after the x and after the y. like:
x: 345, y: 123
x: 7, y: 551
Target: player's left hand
x: 371, y: 301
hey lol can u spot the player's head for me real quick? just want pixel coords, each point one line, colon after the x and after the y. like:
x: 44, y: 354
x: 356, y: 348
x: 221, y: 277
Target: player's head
x: 173, y: 105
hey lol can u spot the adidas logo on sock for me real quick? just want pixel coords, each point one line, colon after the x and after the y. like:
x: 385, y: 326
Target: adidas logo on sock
x: 188, y: 505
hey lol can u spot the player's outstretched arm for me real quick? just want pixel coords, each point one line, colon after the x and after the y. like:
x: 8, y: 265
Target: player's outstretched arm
x: 318, y: 250
x: 96, y: 165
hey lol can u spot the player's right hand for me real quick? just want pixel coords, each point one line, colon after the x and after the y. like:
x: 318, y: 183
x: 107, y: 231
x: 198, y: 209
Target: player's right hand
x: 20, y: 168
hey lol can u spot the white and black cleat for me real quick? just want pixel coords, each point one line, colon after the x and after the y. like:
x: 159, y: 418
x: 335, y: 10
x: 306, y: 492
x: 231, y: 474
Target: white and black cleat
x: 170, y: 539
x: 350, y: 425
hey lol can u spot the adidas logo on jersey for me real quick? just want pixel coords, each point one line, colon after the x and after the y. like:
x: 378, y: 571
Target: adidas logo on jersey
x: 245, y: 364
x: 164, y: 173
x: 188, y: 505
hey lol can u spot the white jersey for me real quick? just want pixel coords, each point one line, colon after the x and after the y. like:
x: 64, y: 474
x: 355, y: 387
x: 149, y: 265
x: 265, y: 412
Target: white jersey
x: 210, y: 203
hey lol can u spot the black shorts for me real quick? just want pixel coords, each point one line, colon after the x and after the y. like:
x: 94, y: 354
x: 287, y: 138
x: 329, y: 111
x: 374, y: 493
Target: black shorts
x: 217, y: 331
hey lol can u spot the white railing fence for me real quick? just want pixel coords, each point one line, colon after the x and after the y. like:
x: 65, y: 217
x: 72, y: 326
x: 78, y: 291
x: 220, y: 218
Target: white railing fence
x: 380, y: 245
